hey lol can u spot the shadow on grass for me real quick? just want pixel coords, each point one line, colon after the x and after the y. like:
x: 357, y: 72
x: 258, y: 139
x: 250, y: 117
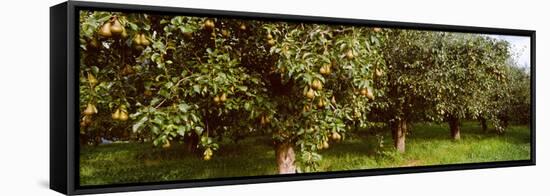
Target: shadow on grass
x: 427, y: 144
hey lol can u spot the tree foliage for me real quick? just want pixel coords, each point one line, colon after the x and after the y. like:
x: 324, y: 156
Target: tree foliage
x: 166, y: 79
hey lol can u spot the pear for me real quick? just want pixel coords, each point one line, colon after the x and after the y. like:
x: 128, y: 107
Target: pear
x: 310, y: 94
x: 225, y: 33
x: 94, y: 109
x: 223, y: 98
x: 358, y: 114
x: 327, y: 67
x: 349, y: 54
x: 116, y: 114
x: 320, y: 146
x: 243, y: 27
x: 137, y: 39
x: 124, y: 34
x: 306, y: 108
x: 209, y: 24
x: 123, y: 116
x: 207, y: 157
x: 378, y: 72
x: 269, y: 36
x: 335, y: 136
x: 92, y: 80
x: 105, y: 30
x: 323, y: 70
x: 317, y: 85
x: 262, y: 120
x: 271, y: 42
x: 325, y: 145
x: 116, y: 27
x: 89, y: 109
x: 370, y: 95
x: 320, y: 103
x: 144, y: 40
x: 208, y: 152
x: 364, y: 91
x: 216, y: 99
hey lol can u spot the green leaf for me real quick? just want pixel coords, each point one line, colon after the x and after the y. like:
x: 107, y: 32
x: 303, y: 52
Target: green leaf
x: 139, y: 124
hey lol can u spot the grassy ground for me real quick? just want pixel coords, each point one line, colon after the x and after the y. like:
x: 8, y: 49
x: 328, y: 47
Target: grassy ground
x: 428, y: 144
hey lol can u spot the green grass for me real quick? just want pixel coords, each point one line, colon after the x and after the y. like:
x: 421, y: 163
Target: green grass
x: 427, y: 144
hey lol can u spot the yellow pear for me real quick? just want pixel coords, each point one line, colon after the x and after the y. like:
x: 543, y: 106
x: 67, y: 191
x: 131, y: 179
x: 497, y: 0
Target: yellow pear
x: 271, y: 42
x: 105, y: 30
x: 325, y: 145
x: 223, y: 98
x: 116, y: 114
x: 92, y: 80
x: 124, y: 33
x: 370, y: 95
x: 116, y: 27
x: 378, y: 72
x: 364, y: 91
x: 336, y: 136
x: 137, y: 39
x: 310, y: 94
x: 89, y: 109
x: 321, y: 103
x: 317, y: 85
x: 144, y: 40
x: 349, y: 54
x: 323, y: 70
x: 123, y: 116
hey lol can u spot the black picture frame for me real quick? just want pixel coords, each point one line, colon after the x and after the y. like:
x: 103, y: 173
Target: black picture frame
x: 64, y: 97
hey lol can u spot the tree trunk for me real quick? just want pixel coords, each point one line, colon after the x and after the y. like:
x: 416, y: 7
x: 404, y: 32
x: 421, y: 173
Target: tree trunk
x: 399, y: 131
x: 483, y: 122
x: 285, y: 158
x: 454, y: 124
x: 191, y: 142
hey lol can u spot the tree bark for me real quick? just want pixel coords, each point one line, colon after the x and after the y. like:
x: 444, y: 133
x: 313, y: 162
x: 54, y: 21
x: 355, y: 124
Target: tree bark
x: 191, y: 142
x: 454, y: 125
x: 285, y: 158
x: 399, y: 131
x: 483, y: 122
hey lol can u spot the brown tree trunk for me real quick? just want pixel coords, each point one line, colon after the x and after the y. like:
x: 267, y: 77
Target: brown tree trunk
x: 399, y: 131
x: 285, y: 158
x: 483, y: 122
x: 454, y: 124
x: 191, y: 142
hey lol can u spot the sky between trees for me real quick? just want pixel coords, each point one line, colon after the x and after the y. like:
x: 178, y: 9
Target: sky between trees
x: 520, y: 46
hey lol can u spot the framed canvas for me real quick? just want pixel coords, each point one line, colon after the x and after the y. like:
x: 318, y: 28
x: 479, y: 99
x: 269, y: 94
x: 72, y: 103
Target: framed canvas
x: 145, y: 97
